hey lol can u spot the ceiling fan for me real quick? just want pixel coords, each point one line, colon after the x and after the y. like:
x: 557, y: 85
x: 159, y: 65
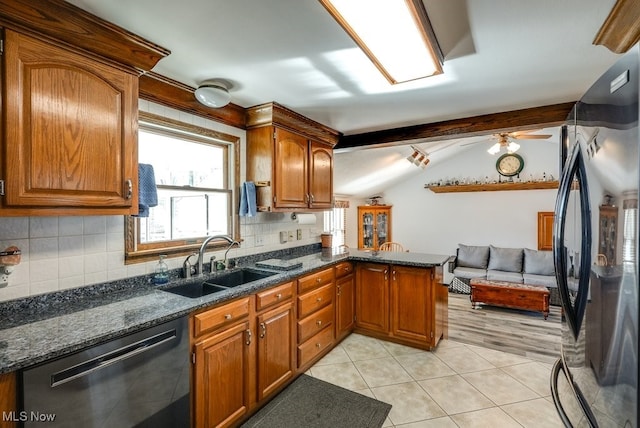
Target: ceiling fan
x: 506, y: 140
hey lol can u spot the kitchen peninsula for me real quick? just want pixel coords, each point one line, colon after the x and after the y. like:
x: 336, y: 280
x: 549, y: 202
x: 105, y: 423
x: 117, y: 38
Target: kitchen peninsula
x: 393, y: 296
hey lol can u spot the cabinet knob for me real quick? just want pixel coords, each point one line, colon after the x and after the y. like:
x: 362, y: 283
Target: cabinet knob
x: 318, y: 280
x: 319, y: 323
x: 228, y: 316
x: 318, y: 345
x: 278, y: 296
x: 319, y: 299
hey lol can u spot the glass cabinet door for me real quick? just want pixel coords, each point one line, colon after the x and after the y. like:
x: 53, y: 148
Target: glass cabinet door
x: 367, y: 230
x: 381, y: 227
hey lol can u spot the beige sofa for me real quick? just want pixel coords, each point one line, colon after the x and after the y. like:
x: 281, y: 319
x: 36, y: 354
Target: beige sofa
x: 519, y: 265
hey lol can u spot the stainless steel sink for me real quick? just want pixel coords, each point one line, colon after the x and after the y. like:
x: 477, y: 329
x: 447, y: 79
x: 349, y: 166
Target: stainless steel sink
x: 220, y: 282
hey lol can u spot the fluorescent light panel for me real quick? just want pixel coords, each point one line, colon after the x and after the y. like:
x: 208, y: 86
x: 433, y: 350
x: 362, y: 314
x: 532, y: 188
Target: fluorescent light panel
x: 395, y: 34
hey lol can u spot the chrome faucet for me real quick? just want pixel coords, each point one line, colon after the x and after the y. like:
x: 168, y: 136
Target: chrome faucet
x: 200, y: 267
x: 228, y: 248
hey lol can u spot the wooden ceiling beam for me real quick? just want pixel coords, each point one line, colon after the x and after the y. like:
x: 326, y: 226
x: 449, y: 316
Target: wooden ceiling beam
x: 525, y: 119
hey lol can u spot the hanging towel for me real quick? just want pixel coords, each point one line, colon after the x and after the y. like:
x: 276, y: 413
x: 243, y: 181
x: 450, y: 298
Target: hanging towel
x: 148, y: 196
x: 248, y: 206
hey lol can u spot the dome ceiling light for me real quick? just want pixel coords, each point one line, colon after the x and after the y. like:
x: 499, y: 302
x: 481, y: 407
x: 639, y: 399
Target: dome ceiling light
x: 214, y: 93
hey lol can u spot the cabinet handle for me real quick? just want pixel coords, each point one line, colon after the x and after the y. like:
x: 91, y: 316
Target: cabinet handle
x: 312, y: 198
x: 263, y: 330
x: 318, y: 280
x: 129, y: 192
x: 319, y: 299
x: 385, y: 274
x: 338, y: 289
x: 306, y: 198
x: 319, y: 323
x: 249, y: 336
x: 278, y: 296
x: 318, y: 345
x: 228, y: 317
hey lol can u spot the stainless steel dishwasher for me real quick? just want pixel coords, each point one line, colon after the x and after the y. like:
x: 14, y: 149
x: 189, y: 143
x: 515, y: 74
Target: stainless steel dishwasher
x: 139, y: 380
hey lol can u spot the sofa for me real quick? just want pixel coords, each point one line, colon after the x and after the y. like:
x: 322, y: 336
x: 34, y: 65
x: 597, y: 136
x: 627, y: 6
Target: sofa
x: 519, y: 265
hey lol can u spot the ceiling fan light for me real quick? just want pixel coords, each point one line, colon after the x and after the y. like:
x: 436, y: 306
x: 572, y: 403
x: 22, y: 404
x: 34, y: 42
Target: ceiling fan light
x: 214, y: 95
x: 513, y: 147
x: 494, y: 149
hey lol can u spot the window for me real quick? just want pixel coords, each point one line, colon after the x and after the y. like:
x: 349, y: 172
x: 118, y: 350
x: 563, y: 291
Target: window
x: 195, y: 173
x: 335, y: 221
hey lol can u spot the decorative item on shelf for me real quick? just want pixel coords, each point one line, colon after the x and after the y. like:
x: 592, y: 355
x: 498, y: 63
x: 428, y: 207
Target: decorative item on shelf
x: 213, y: 93
x: 375, y: 200
x: 419, y: 157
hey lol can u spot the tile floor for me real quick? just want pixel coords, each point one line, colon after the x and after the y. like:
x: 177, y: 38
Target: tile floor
x: 457, y: 385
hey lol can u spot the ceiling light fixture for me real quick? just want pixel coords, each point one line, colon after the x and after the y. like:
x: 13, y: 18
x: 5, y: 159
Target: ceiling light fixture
x: 419, y: 157
x: 395, y: 34
x: 213, y: 94
x: 511, y: 146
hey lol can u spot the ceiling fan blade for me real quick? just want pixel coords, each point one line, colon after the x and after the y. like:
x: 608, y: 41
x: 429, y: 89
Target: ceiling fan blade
x: 531, y: 136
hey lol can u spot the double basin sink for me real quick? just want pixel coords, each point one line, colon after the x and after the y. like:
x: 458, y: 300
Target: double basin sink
x: 220, y: 282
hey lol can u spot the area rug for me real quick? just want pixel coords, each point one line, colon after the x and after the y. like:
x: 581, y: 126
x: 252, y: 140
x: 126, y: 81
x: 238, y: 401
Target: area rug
x: 312, y: 403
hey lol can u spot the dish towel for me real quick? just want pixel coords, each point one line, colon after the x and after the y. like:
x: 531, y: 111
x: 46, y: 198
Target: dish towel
x: 248, y: 205
x: 148, y: 192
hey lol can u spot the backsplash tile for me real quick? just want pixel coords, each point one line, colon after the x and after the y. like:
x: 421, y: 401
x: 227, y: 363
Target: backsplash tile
x: 60, y: 253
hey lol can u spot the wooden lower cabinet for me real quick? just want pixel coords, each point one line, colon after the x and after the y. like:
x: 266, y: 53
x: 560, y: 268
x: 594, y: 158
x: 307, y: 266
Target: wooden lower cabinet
x: 400, y: 303
x: 345, y: 300
x: 276, y: 359
x: 244, y: 353
x: 372, y: 297
x: 8, y: 398
x: 316, y: 316
x: 222, y: 377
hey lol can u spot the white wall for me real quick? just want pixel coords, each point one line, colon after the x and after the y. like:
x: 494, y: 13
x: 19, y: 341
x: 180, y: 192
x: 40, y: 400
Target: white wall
x: 66, y: 252
x: 429, y: 222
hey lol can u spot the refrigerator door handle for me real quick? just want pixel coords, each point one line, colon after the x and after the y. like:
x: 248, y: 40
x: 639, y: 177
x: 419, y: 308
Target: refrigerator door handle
x: 573, y: 175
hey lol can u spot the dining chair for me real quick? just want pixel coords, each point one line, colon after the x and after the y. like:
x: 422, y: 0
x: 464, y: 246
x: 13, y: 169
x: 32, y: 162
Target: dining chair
x: 391, y: 246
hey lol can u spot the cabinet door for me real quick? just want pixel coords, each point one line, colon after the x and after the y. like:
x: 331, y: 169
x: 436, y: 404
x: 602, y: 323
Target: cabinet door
x: 382, y: 229
x: 545, y: 230
x: 366, y: 224
x: 345, y: 308
x: 372, y: 297
x: 411, y: 303
x: 275, y: 349
x: 320, y: 176
x: 222, y: 377
x: 290, y: 170
x: 71, y: 140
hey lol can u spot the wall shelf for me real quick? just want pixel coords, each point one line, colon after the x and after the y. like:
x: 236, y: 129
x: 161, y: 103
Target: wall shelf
x: 493, y: 187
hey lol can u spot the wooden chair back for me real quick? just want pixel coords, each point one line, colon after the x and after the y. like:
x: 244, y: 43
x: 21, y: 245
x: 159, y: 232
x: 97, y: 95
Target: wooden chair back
x: 391, y: 246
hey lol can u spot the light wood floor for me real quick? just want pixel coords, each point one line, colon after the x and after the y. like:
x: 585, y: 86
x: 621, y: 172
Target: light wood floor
x: 519, y: 332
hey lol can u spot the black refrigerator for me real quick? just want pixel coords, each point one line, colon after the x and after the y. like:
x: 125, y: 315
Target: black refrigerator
x: 595, y: 247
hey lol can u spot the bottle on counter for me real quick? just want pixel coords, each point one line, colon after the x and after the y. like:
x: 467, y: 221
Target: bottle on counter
x: 161, y: 272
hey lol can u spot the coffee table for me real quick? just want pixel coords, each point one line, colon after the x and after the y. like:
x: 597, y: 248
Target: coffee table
x: 510, y: 295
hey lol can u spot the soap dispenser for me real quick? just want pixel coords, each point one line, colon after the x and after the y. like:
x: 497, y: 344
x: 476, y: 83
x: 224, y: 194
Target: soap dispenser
x: 161, y: 272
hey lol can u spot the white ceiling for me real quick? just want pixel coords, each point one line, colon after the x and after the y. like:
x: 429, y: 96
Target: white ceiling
x: 500, y: 55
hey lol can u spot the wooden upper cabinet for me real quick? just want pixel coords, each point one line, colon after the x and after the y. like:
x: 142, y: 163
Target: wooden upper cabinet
x: 291, y: 170
x: 320, y: 176
x: 290, y: 158
x: 70, y: 139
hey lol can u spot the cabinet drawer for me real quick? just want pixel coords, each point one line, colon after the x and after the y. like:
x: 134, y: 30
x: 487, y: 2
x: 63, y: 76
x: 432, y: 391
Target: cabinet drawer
x: 274, y: 295
x: 217, y: 317
x: 315, y: 280
x: 314, y: 323
x: 314, y: 300
x: 314, y: 346
x: 343, y: 269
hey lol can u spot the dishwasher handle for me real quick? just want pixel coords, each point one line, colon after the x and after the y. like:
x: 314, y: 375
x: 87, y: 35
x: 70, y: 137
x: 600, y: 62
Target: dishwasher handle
x: 110, y: 358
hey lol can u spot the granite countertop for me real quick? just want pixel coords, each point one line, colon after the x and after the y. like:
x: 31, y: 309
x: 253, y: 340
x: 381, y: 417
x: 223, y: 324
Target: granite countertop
x: 40, y: 328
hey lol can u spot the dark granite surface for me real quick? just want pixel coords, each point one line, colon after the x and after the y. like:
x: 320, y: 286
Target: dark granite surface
x: 40, y: 328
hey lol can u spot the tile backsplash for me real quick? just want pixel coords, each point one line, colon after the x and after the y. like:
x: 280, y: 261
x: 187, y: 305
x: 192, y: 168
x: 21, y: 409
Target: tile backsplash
x: 59, y: 253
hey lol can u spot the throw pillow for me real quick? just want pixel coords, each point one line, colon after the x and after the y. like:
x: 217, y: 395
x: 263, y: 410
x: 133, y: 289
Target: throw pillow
x: 472, y: 256
x: 505, y: 259
x: 538, y: 262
